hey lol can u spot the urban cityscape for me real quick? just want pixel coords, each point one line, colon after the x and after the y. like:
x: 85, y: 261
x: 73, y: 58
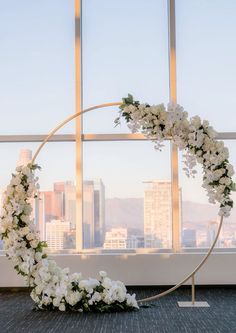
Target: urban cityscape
x: 122, y: 223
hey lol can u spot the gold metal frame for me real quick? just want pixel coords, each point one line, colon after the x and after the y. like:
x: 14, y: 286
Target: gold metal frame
x: 189, y: 276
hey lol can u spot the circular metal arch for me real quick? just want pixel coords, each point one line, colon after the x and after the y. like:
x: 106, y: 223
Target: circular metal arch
x: 191, y: 275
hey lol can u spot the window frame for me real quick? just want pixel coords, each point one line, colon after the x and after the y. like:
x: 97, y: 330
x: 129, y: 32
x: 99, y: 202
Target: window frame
x: 79, y: 137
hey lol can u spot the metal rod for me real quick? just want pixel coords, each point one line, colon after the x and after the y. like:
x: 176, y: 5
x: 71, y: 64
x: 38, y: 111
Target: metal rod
x: 67, y: 120
x: 221, y: 219
x: 152, y: 298
x: 193, y: 289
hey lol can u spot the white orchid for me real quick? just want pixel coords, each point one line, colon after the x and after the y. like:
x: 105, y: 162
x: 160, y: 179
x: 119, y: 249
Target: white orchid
x: 196, y: 136
x: 52, y: 286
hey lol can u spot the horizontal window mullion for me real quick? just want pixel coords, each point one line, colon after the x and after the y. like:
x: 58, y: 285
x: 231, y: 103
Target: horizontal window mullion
x: 112, y: 137
x: 92, y: 137
x: 226, y: 136
x: 36, y: 138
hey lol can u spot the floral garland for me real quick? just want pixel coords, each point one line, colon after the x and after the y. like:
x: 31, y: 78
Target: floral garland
x: 52, y: 286
x: 195, y: 136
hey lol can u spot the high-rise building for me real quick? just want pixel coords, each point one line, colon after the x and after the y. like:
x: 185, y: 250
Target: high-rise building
x: 25, y: 157
x: 88, y: 214
x: 56, y: 231
x: 99, y: 213
x: 135, y: 242
x: 60, y: 204
x: 70, y: 203
x: 116, y: 239
x: 157, y: 214
x: 93, y: 213
x: 45, y: 211
x: 212, y: 229
x: 59, y: 199
x: 189, y: 238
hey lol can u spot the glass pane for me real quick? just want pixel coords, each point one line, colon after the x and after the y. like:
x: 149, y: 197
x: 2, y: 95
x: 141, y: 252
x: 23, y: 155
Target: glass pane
x: 127, y: 196
x: 125, y: 50
x: 206, y: 60
x: 55, y: 210
x: 200, y: 219
x: 36, y: 65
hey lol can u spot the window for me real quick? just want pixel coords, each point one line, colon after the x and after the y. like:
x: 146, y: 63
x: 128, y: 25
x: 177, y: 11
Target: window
x: 120, y: 195
x: 103, y: 189
x: 206, y: 60
x: 36, y: 65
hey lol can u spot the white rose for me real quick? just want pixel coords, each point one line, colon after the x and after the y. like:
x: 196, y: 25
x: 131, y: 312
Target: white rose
x: 131, y: 301
x: 62, y: 307
x: 83, y: 284
x: 56, y: 301
x: 38, y: 289
x: 25, y: 218
x: 24, y: 267
x: 26, y: 171
x: 34, y: 243
x: 25, y: 231
x: 106, y: 283
x: 30, y: 236
x: 230, y: 170
x: 103, y: 274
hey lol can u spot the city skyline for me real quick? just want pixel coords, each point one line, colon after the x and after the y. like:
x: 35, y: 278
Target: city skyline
x: 147, y: 223
x: 54, y: 99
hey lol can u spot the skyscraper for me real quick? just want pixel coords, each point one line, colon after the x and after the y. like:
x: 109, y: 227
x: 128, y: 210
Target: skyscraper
x: 116, y: 239
x: 88, y: 214
x: 70, y: 203
x: 93, y: 213
x: 59, y: 199
x: 189, y: 238
x: 58, y: 204
x: 212, y: 229
x: 25, y: 157
x: 99, y: 213
x: 45, y: 211
x: 157, y: 214
x: 56, y: 231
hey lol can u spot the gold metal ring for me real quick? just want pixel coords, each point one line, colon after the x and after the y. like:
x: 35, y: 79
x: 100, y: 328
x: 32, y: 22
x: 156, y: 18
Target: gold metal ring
x: 191, y: 275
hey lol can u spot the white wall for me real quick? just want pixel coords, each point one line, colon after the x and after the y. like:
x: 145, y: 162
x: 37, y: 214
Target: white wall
x: 139, y: 269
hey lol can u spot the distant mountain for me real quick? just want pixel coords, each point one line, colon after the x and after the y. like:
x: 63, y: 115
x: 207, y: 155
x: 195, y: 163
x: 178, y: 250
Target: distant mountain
x: 128, y: 213
x: 125, y: 212
x: 195, y: 212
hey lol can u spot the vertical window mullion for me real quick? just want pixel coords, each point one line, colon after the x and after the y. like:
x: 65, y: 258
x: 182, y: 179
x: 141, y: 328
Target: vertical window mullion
x: 78, y: 108
x: 176, y: 223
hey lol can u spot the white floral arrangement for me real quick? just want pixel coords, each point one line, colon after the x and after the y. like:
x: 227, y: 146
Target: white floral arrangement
x: 52, y: 286
x: 195, y: 136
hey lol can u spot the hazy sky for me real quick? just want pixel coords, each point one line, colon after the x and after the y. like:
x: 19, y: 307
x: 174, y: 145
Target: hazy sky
x: 125, y: 49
